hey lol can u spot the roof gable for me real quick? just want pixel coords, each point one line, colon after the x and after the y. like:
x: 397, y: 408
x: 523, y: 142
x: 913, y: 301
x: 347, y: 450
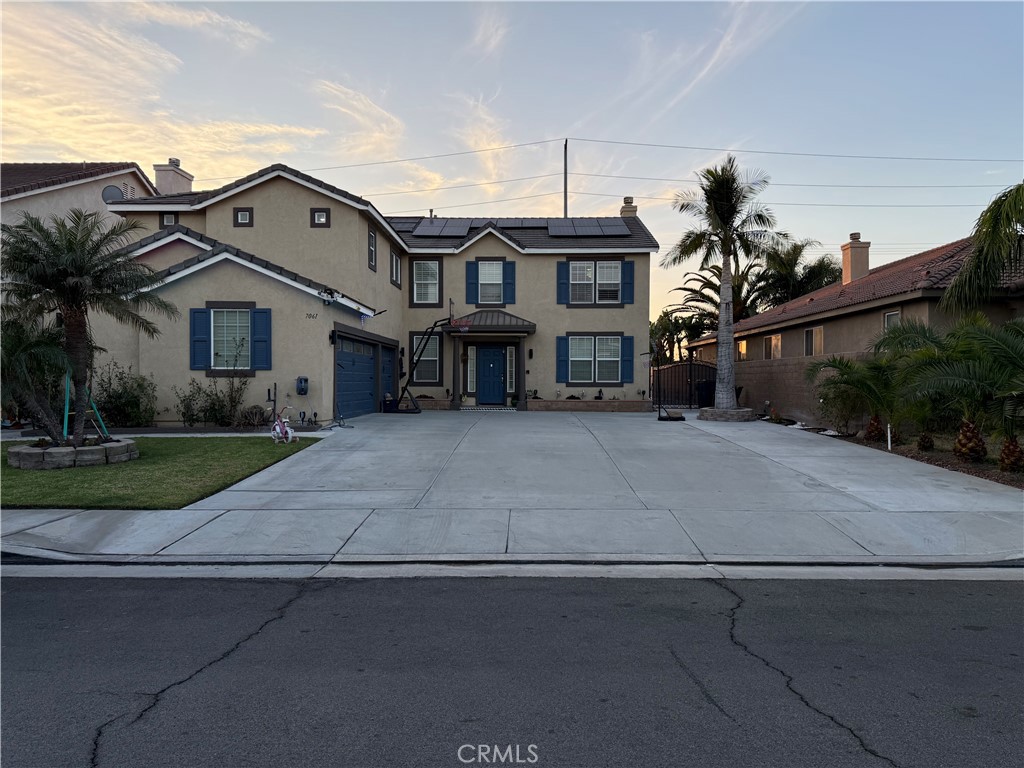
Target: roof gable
x: 31, y: 178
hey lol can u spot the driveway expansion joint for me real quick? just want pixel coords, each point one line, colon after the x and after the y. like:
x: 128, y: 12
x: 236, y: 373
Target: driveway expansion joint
x: 788, y: 678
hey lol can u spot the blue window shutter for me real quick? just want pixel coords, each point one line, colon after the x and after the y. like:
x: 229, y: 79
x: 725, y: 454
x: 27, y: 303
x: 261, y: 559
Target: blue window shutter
x: 260, y: 322
x: 563, y: 282
x: 199, y: 335
x: 472, y: 282
x: 626, y: 356
x: 508, y: 292
x: 627, y: 282
x: 562, y: 359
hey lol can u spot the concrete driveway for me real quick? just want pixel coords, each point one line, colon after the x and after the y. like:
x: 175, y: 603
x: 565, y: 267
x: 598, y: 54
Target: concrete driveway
x: 477, y: 486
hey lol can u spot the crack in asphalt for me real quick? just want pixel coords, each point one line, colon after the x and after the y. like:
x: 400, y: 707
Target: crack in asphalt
x: 279, y: 613
x: 789, y: 678
x: 700, y: 685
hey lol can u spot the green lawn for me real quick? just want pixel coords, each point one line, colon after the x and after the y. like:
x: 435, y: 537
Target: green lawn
x: 170, y: 473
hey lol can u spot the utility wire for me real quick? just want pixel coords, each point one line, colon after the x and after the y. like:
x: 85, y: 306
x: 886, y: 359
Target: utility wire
x: 411, y: 159
x: 801, y: 154
x: 780, y: 184
x: 810, y: 205
x: 467, y: 205
x: 462, y: 186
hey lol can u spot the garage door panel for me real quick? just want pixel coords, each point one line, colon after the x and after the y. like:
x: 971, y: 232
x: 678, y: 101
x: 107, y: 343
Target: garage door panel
x: 356, y: 377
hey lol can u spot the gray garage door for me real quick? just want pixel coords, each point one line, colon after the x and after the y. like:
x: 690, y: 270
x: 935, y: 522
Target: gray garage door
x: 355, y: 387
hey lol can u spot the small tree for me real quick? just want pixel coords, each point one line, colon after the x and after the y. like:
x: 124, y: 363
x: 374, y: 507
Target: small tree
x: 33, y: 361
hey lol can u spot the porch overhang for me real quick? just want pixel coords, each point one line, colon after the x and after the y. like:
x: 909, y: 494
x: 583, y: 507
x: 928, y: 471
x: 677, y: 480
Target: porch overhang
x: 490, y: 322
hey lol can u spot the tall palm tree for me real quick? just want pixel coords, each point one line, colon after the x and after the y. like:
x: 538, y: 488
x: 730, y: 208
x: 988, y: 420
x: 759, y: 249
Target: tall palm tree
x: 68, y: 267
x: 998, y: 240
x: 789, y: 273
x: 731, y: 222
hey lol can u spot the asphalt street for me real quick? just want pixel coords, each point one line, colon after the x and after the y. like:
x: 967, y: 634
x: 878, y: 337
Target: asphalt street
x: 554, y: 672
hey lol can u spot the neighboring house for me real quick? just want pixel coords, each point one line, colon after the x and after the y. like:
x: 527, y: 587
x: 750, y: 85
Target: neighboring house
x: 45, y: 189
x: 280, y: 275
x: 773, y: 349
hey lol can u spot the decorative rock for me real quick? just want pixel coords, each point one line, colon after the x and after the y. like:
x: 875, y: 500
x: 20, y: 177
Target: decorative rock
x: 726, y: 414
x: 90, y: 456
x: 58, y: 458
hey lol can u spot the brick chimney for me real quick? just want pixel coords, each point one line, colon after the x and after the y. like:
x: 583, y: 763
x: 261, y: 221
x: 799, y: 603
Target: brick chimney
x: 628, y: 209
x: 855, y: 258
x: 170, y: 179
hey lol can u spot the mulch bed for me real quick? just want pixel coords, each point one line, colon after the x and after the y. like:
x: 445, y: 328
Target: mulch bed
x: 986, y: 470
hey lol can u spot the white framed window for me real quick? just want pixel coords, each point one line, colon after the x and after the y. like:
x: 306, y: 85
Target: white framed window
x: 889, y: 319
x: 230, y: 334
x: 608, y: 356
x: 396, y: 268
x: 169, y: 219
x: 471, y: 369
x: 428, y: 371
x: 773, y: 347
x: 609, y: 282
x: 426, y: 282
x: 489, y: 274
x: 581, y: 359
x: 510, y: 370
x: 320, y: 218
x: 593, y: 282
x: 814, y: 341
x: 581, y: 282
x: 741, y: 350
x: 242, y: 217
x: 371, y: 250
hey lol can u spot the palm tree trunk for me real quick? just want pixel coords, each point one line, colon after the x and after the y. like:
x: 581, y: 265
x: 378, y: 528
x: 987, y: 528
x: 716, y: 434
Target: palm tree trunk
x: 76, y: 332
x: 43, y: 415
x: 725, y: 377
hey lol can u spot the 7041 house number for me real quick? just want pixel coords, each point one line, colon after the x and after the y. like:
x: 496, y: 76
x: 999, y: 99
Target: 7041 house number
x: 311, y: 315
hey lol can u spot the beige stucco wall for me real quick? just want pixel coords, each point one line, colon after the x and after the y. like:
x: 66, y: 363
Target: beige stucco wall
x: 87, y: 195
x: 536, y: 301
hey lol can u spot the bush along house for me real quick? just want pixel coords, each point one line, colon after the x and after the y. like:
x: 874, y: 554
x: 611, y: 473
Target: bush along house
x: 774, y: 348
x: 284, y: 279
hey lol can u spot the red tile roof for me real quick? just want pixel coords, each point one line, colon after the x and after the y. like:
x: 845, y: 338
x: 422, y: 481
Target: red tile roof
x: 16, y: 178
x: 931, y: 270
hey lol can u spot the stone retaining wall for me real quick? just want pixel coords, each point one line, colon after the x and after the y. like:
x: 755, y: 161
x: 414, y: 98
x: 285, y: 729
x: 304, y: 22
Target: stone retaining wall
x: 29, y: 457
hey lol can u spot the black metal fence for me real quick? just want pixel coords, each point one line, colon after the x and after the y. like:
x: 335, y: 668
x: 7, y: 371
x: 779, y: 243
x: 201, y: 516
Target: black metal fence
x: 689, y: 384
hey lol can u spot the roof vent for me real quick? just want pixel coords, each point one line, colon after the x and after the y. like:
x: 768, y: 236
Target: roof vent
x: 174, y: 161
x: 855, y: 237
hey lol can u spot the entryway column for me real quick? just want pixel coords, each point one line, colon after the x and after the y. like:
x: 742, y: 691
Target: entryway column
x: 521, y: 375
x: 457, y: 349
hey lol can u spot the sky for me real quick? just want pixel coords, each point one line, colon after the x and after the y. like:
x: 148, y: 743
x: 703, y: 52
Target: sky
x: 233, y: 87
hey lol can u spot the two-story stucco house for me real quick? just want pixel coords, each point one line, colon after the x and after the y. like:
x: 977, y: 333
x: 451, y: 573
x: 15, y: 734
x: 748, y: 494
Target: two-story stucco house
x: 280, y: 276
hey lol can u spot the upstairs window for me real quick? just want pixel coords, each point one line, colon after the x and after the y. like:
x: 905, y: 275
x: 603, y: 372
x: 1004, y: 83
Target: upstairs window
x: 396, y: 268
x: 490, y: 282
x: 371, y: 250
x: 426, y: 283
x: 320, y: 218
x: 242, y: 217
x: 595, y: 283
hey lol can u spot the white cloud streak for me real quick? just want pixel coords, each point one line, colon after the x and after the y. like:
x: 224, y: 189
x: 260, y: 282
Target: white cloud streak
x: 491, y: 29
x: 241, y: 34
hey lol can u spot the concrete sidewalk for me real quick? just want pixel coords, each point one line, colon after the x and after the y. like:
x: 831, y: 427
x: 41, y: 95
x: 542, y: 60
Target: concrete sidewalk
x: 560, y: 488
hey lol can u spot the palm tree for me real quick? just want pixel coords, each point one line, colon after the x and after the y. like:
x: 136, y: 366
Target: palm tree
x: 701, y: 291
x: 998, y: 240
x: 69, y: 266
x: 876, y: 380
x: 731, y: 222
x: 788, y: 273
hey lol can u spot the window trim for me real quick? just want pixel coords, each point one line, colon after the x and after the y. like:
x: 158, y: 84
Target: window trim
x: 211, y: 372
x: 313, y: 224
x: 595, y: 303
x: 501, y: 283
x: 888, y: 313
x: 741, y: 350
x: 769, y: 346
x: 371, y: 249
x: 413, y: 304
x: 396, y: 268
x: 820, y: 337
x: 236, y: 213
x: 439, y: 381
x: 594, y: 382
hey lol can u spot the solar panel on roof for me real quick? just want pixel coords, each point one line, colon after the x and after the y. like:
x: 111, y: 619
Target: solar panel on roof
x: 429, y: 228
x: 509, y: 223
x: 561, y: 228
x: 455, y: 229
x: 535, y: 222
x: 480, y: 222
x: 614, y: 227
x: 589, y: 230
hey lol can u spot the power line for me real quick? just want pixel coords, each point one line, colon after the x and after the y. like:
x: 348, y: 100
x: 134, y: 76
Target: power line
x: 411, y: 159
x: 467, y: 205
x: 810, y: 205
x: 462, y: 186
x: 780, y: 184
x: 801, y: 154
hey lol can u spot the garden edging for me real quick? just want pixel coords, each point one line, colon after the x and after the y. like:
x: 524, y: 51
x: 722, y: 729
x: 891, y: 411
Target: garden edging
x: 30, y: 457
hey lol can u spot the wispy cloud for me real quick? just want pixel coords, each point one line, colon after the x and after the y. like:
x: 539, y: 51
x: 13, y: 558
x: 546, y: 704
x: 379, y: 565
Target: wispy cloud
x: 81, y: 82
x: 368, y: 130
x: 239, y: 33
x: 491, y: 29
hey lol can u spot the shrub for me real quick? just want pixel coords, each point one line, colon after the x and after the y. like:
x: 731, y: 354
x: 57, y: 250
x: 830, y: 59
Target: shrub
x: 124, y: 398
x: 838, y: 405
x: 211, y: 404
x: 254, y: 417
x: 189, y: 405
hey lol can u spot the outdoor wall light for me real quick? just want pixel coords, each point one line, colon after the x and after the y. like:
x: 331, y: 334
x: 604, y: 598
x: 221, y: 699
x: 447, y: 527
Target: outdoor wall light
x: 529, y: 353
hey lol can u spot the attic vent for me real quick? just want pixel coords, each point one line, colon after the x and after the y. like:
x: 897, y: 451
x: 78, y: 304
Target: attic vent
x: 128, y: 190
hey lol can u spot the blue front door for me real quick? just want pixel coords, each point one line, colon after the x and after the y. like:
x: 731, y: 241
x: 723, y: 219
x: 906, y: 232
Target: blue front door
x: 490, y: 385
